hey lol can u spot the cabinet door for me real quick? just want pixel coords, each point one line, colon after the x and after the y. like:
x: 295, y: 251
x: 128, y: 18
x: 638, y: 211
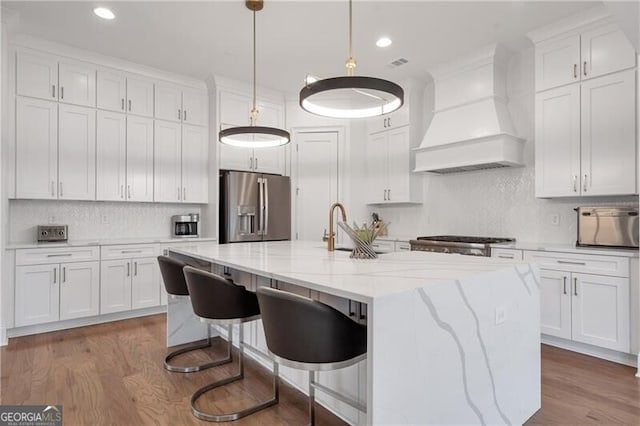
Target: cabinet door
x: 557, y: 62
x: 36, y: 149
x: 79, y: 289
x: 139, y: 96
x: 168, y: 102
x: 167, y: 183
x: 145, y: 283
x: 235, y: 109
x: 377, y: 171
x: 37, y: 294
x: 195, y: 157
x: 233, y: 158
x: 37, y: 75
x: 609, y: 135
x: 111, y: 158
x: 77, y: 83
x: 269, y: 160
x: 195, y: 107
x: 604, y: 50
x: 398, y: 168
x: 555, y: 303
x: 557, y: 142
x: 115, y: 286
x: 112, y: 91
x: 77, y: 153
x: 601, y: 311
x: 139, y: 159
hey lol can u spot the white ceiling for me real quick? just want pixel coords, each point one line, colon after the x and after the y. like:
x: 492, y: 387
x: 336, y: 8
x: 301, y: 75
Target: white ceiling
x: 295, y: 38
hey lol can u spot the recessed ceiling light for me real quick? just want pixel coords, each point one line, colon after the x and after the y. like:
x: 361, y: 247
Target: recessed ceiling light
x: 104, y: 13
x: 383, y: 42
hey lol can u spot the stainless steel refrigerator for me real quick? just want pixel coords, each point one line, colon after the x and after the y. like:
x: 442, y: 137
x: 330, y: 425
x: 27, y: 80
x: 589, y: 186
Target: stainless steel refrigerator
x: 254, y: 207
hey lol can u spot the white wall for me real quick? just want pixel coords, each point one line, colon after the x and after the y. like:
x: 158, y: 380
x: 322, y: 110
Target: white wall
x: 498, y: 202
x: 124, y: 220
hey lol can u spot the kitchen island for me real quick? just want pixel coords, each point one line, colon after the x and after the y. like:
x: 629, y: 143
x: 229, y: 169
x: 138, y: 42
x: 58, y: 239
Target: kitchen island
x: 452, y: 339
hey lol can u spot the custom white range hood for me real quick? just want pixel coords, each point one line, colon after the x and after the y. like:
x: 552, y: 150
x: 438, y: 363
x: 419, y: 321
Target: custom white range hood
x: 471, y: 127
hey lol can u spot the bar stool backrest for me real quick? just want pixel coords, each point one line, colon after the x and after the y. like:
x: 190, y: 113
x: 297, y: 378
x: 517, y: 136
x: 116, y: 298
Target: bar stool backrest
x: 217, y: 298
x: 172, y: 276
x: 303, y: 330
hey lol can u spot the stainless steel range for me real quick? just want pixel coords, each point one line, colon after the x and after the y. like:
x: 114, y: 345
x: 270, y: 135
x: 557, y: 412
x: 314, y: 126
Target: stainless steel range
x: 474, y: 246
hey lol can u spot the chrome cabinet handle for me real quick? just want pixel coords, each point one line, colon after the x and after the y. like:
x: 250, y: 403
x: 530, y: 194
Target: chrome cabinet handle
x: 129, y: 104
x: 385, y: 195
x: 135, y: 268
x: 64, y: 274
x: 121, y: 191
x: 385, y: 123
x: 55, y: 274
x: 584, y: 185
x: 62, y: 91
x: 184, y: 115
x: 184, y: 193
x: 389, y: 122
x: 575, y: 286
x: 256, y: 162
x: 575, y: 183
x: 178, y: 193
x: 569, y: 262
x: 250, y: 162
x: 61, y: 189
x: 53, y: 91
x: 122, y: 104
x: 388, y: 195
x: 130, y: 251
x: 584, y: 68
x: 128, y: 269
x: 564, y: 285
x: 129, y: 191
x: 179, y: 114
x: 505, y: 256
x: 575, y: 70
x: 53, y: 188
x: 60, y: 255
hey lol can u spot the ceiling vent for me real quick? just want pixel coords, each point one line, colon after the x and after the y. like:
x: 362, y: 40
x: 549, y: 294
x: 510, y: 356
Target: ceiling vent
x: 398, y: 62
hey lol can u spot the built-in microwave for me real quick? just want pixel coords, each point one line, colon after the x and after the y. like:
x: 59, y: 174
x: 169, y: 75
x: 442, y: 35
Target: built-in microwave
x: 186, y: 225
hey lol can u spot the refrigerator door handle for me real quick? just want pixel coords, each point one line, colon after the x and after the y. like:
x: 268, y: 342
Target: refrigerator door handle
x: 265, y: 228
x: 261, y: 206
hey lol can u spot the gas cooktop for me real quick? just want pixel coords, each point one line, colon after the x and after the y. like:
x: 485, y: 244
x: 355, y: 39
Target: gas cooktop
x: 465, y: 239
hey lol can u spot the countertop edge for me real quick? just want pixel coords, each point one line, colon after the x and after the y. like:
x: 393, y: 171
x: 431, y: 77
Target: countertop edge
x: 108, y: 242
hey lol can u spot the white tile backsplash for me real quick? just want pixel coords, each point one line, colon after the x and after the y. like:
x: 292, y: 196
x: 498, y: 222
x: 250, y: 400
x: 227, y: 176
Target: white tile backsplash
x: 85, y: 218
x: 499, y: 202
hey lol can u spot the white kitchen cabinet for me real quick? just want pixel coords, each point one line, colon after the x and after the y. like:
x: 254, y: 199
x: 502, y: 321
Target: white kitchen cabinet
x: 77, y: 82
x: 167, y: 162
x: 195, y: 107
x: 168, y: 102
x: 115, y: 285
x: 111, y: 156
x: 402, y: 246
x: 140, y: 148
x: 195, y: 159
x: 76, y: 153
x: 111, y: 90
x: 584, y: 307
x: 608, y: 143
x: 145, y: 278
x: 37, y: 75
x: 503, y: 253
x: 570, y: 58
x: 36, y: 149
x: 79, y: 289
x: 139, y: 96
x: 389, y: 167
x: 37, y: 297
x: 585, y: 138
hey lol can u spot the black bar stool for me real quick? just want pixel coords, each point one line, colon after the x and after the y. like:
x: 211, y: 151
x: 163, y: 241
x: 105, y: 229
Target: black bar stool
x: 176, y: 287
x: 219, y: 301
x: 308, y: 335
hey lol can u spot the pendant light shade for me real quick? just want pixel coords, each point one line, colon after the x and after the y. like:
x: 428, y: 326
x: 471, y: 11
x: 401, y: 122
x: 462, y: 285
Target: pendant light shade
x: 351, y: 96
x: 254, y: 136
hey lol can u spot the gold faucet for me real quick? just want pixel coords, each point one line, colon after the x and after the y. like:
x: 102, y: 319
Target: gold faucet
x: 331, y: 240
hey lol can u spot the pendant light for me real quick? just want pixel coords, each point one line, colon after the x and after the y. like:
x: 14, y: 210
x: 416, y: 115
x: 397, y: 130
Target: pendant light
x: 254, y: 136
x: 351, y: 96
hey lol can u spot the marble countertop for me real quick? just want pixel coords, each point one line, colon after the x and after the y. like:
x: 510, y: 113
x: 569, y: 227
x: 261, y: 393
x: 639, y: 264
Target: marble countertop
x: 106, y: 242
x: 568, y: 248
x: 310, y: 265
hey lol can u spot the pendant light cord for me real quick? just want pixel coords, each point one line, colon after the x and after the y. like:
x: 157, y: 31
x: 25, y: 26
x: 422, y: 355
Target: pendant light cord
x: 351, y: 63
x: 254, y: 111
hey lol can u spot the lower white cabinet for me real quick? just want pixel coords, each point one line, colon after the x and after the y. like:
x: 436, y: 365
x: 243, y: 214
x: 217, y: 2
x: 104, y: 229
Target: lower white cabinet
x: 584, y: 307
x: 59, y: 291
x: 130, y: 283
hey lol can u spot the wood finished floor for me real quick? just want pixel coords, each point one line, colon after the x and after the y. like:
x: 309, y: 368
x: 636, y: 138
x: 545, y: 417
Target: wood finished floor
x: 112, y: 374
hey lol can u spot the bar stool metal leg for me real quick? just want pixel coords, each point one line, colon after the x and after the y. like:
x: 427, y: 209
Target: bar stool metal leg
x: 194, y: 368
x: 312, y: 398
x: 211, y: 417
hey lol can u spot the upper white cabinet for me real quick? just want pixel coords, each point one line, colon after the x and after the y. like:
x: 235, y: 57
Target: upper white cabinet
x: 37, y: 75
x: 569, y: 58
x: 585, y: 138
x: 195, y: 154
x: 174, y: 103
x: 139, y: 159
x: 77, y: 83
x: 139, y: 96
x: 235, y: 110
x: 76, y: 153
x: 111, y: 156
x: 112, y: 90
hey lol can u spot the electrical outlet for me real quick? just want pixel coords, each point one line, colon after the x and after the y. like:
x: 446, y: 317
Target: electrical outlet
x: 104, y: 219
x: 555, y: 219
x: 52, y: 220
x: 501, y: 314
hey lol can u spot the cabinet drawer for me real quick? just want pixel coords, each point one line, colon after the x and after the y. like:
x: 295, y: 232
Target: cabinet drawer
x: 383, y: 246
x: 589, y: 264
x: 403, y: 246
x: 41, y: 256
x: 129, y: 251
x: 506, y: 253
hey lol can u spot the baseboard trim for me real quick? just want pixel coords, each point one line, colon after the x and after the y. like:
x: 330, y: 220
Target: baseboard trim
x: 82, y: 322
x: 607, y: 354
